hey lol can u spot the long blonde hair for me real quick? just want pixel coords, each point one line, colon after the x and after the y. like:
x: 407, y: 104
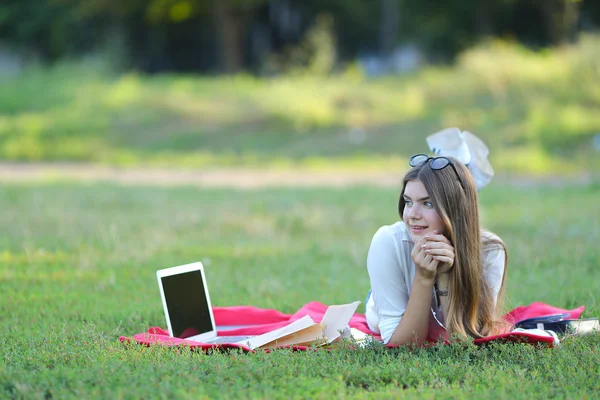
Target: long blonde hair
x: 472, y: 311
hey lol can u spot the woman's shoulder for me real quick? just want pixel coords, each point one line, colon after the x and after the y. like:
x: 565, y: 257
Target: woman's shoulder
x: 491, y: 241
x: 493, y: 251
x: 389, y: 249
x: 391, y: 236
x: 397, y: 231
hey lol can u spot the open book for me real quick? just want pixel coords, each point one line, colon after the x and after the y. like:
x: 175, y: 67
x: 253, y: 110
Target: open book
x: 305, y: 331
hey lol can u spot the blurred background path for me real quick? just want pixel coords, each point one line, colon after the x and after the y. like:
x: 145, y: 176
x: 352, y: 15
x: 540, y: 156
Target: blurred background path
x: 230, y: 177
x: 247, y: 178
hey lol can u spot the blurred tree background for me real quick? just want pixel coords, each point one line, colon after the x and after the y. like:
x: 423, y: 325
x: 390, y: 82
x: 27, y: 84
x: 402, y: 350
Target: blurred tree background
x: 318, y: 83
x: 226, y: 36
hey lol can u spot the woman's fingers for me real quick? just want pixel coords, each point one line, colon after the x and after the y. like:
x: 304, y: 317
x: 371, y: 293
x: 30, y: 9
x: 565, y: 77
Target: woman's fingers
x: 425, y: 262
x: 434, y: 237
x: 418, y: 247
x: 440, y: 252
x: 428, y: 262
x: 436, y: 245
x: 444, y: 259
x: 419, y: 255
x: 442, y: 255
x: 440, y: 249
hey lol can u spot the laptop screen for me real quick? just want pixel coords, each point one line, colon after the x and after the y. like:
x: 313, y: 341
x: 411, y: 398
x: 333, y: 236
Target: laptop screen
x: 186, y: 303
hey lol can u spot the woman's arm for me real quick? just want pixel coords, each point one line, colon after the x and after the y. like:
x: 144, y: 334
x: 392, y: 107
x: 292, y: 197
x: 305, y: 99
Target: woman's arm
x: 414, y: 326
x: 403, y: 316
x: 388, y: 273
x: 442, y: 250
x: 494, y: 259
x: 441, y: 284
x: 494, y: 266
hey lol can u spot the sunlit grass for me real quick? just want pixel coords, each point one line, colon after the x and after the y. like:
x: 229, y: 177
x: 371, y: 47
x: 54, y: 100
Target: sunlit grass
x: 77, y: 270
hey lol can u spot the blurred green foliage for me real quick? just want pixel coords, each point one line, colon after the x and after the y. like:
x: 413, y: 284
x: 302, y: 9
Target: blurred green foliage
x: 538, y: 113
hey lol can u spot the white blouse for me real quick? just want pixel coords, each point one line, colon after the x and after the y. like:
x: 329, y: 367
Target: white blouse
x: 392, y: 272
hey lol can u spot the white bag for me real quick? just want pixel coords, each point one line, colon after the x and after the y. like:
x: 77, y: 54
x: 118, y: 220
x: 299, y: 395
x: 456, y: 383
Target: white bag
x: 467, y: 148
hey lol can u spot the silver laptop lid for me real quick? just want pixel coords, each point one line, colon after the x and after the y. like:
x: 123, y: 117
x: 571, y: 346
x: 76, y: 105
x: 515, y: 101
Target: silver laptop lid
x: 186, y: 302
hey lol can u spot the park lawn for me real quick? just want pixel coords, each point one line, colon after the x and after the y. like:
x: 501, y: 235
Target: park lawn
x: 537, y: 111
x: 77, y: 270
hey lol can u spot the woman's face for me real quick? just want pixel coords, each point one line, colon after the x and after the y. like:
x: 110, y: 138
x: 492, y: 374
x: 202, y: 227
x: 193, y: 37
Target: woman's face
x: 419, y: 215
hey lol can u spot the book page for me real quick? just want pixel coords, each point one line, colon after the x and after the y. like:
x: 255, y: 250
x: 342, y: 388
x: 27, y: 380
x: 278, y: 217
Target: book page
x: 265, y: 338
x: 360, y: 338
x: 311, y: 336
x: 336, y: 318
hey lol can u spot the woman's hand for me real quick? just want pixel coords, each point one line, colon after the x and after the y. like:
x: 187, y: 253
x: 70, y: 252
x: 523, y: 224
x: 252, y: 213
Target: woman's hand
x: 426, y: 266
x: 440, y: 249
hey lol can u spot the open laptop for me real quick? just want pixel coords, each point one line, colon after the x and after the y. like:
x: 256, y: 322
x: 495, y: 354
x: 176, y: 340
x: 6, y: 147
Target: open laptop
x: 187, y: 306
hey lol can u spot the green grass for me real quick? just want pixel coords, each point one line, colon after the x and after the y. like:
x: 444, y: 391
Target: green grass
x: 538, y: 112
x: 77, y: 266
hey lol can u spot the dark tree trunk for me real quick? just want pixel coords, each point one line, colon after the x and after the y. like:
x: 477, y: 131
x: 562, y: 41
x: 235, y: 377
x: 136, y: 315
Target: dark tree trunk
x: 483, y: 18
x: 231, y: 28
x: 390, y: 21
x: 560, y: 19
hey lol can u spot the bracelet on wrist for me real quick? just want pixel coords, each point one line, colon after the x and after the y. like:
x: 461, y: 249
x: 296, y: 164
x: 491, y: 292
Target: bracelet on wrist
x: 441, y: 292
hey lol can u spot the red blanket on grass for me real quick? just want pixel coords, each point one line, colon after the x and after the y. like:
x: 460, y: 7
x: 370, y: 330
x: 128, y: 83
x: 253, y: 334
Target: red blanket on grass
x: 248, y: 320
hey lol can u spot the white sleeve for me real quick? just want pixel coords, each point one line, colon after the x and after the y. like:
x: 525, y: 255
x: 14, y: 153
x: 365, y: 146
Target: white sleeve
x: 387, y: 275
x: 494, y: 266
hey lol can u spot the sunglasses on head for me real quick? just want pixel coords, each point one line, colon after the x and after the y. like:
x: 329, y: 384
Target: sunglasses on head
x: 436, y: 163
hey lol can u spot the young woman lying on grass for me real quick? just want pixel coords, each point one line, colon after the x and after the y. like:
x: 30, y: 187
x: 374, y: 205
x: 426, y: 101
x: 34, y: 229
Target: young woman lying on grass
x: 436, y: 272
